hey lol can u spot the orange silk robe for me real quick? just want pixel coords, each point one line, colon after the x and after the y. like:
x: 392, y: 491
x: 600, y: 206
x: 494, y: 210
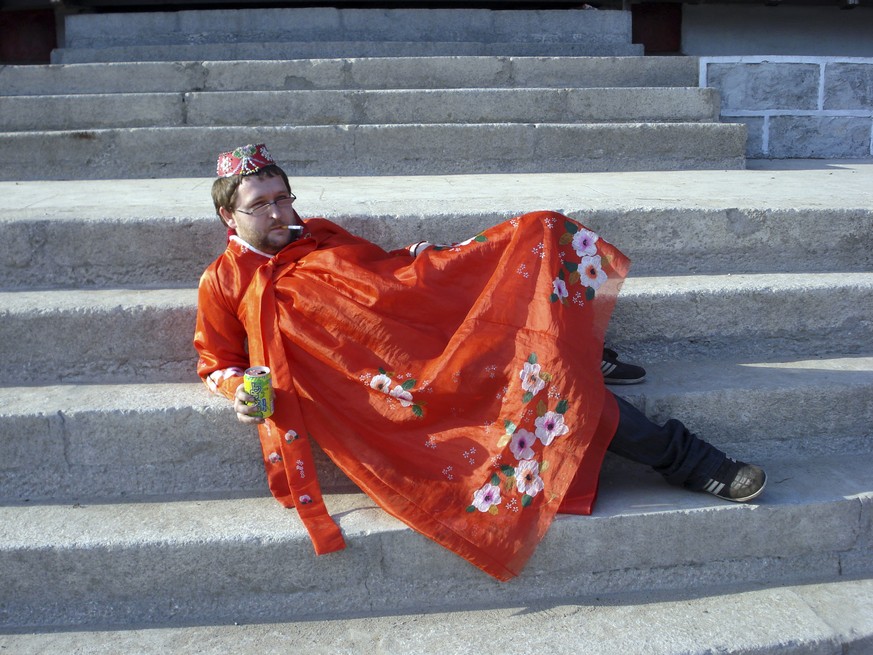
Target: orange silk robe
x: 460, y: 389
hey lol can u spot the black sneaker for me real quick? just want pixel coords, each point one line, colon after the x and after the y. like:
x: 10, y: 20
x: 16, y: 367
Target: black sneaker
x: 616, y: 372
x: 736, y: 481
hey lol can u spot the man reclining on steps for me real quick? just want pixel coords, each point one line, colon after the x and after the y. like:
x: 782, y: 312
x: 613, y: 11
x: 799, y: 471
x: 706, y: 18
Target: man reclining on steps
x: 458, y: 386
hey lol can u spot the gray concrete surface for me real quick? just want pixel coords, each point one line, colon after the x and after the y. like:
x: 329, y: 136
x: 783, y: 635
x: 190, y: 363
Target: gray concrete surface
x: 101, y: 111
x: 333, y: 49
x: 381, y: 149
x: 747, y: 408
x: 330, y: 32
x: 719, y: 222
x: 152, y: 540
x: 328, y: 23
x: 190, y: 561
x: 816, y: 619
x: 145, y: 335
x: 372, y: 73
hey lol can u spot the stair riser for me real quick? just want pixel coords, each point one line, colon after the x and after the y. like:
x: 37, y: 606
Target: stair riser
x: 661, y: 325
x: 85, y: 112
x: 379, y: 150
x: 323, y: 24
x: 395, y: 571
x: 373, y: 73
x: 95, y: 252
x: 132, y: 446
x: 132, y: 338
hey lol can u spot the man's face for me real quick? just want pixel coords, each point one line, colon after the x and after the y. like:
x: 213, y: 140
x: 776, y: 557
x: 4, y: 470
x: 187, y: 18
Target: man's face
x: 265, y: 231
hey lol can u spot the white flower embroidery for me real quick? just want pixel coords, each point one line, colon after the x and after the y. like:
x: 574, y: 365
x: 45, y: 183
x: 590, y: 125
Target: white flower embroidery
x: 591, y: 272
x: 549, y: 426
x: 530, y: 378
x: 527, y: 478
x: 381, y: 383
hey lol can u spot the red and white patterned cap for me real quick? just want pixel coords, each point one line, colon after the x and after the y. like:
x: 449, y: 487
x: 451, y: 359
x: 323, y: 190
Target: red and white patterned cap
x: 244, y: 160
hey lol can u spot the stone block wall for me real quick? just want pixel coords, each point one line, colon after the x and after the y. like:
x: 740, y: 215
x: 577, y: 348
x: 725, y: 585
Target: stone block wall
x: 797, y: 107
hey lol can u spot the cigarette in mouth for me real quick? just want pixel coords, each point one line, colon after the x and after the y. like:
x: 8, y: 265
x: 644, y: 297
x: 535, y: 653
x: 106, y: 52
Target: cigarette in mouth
x: 295, y: 228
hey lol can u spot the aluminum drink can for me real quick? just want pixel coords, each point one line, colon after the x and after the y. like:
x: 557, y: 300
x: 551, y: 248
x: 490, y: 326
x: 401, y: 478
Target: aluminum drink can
x: 258, y: 383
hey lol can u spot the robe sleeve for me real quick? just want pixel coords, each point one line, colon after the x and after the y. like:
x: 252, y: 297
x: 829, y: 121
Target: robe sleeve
x: 220, y: 339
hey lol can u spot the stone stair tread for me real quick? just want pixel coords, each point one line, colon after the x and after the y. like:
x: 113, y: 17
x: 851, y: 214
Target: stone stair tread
x: 359, y: 107
x: 396, y: 149
x: 832, y: 618
x: 354, y: 73
x: 271, y: 50
x: 106, y: 299
x: 389, y: 568
x: 834, y: 185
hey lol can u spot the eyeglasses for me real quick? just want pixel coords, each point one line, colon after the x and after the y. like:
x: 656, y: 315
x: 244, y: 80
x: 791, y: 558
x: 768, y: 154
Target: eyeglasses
x: 263, y: 209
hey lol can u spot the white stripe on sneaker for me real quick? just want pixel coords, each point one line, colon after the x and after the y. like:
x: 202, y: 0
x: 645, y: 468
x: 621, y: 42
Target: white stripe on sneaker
x: 714, y: 487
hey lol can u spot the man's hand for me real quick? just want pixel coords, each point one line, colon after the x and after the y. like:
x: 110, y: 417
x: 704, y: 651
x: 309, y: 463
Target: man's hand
x: 242, y: 407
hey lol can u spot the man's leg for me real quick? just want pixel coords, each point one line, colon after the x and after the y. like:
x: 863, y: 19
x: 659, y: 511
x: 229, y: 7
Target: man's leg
x: 683, y: 458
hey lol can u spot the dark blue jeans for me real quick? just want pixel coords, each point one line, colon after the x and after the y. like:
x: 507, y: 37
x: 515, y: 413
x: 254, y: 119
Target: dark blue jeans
x: 670, y: 449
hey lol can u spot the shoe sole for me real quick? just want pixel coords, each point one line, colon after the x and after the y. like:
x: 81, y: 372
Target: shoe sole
x: 632, y: 381
x: 746, y: 499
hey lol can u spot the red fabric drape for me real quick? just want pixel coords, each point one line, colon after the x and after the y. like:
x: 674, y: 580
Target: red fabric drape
x: 461, y: 389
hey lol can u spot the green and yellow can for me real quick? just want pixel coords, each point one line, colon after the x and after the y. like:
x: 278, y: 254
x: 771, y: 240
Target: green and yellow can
x: 258, y: 383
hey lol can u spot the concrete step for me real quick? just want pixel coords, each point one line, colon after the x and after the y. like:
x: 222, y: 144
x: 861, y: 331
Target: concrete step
x: 356, y: 107
x: 144, y: 335
x: 380, y: 149
x: 748, y: 221
x: 241, y: 560
x: 393, y: 72
x: 232, y: 27
x: 830, y: 618
x: 340, y: 49
x: 96, y: 441
x: 58, y: 252
x: 706, y: 317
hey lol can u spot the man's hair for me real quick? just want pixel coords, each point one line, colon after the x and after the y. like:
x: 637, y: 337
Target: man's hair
x: 224, y: 188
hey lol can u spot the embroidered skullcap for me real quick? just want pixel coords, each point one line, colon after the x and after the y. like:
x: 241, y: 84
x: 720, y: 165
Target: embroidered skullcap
x: 245, y: 160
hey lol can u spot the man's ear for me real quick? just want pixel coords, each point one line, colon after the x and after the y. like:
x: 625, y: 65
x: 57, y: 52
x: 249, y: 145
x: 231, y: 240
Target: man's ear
x: 227, y: 217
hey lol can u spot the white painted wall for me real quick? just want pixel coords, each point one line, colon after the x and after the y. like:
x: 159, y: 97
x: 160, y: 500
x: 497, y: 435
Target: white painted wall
x: 718, y: 30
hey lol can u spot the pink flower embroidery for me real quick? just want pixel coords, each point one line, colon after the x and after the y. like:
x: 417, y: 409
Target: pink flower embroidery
x: 521, y: 443
x: 487, y: 497
x: 274, y: 458
x: 584, y: 243
x: 402, y: 395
